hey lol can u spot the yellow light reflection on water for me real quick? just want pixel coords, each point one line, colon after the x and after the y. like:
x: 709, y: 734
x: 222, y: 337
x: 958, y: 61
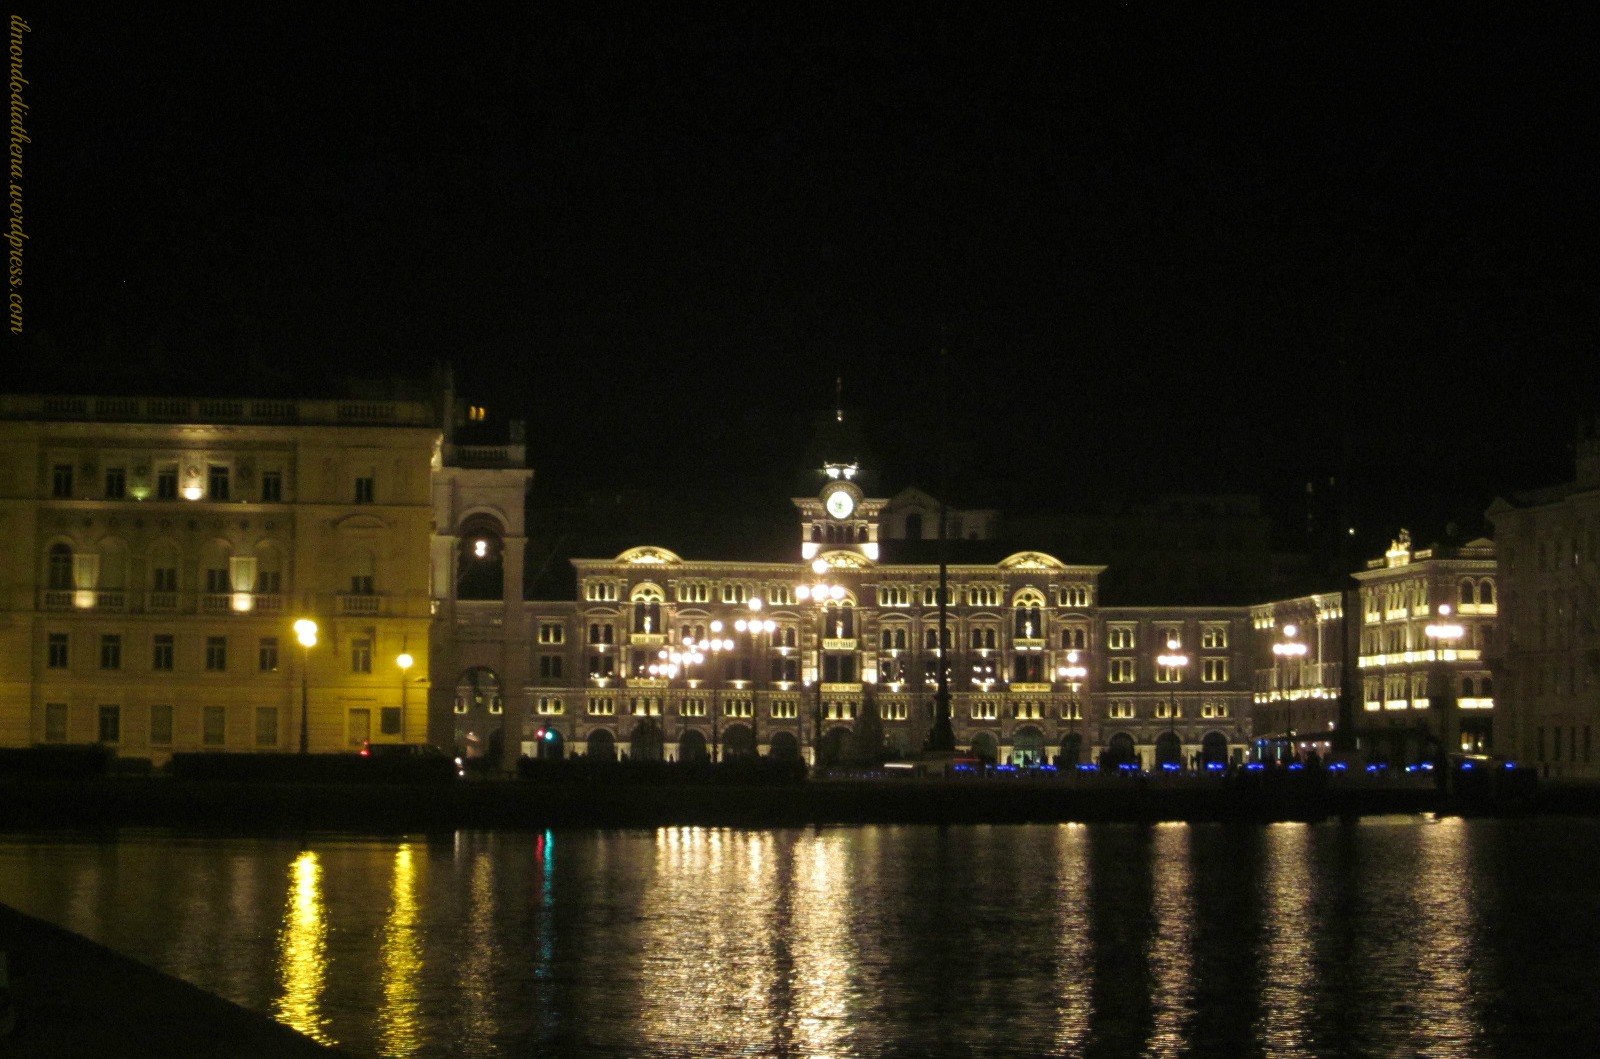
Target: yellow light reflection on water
x: 400, y: 1020
x: 479, y: 993
x: 1172, y: 948
x: 1445, y: 913
x: 1074, y: 970
x: 303, y: 952
x: 823, y: 945
x: 1289, y: 975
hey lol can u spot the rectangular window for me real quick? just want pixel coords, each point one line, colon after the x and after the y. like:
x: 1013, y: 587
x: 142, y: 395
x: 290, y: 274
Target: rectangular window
x: 839, y: 669
x: 551, y: 707
x: 217, y: 482
x: 167, y: 482
x: 602, y: 665
x: 364, y: 490
x: 389, y: 720
x: 162, y: 651
x: 361, y: 584
x: 360, y: 719
x: 267, y: 656
x: 116, y: 483
x: 266, y: 726
x: 788, y: 709
x: 1168, y: 674
x: 604, y: 707
x: 164, y: 579
x: 61, y: 481
x: 217, y: 580
x: 1214, y: 670
x: 216, y: 654
x: 110, y: 724
x: 58, y: 651
x: 552, y: 632
x: 693, y: 708
x: 271, y: 487
x: 55, y: 722
x: 111, y: 651
x: 360, y: 655
x: 269, y: 582
x: 214, y: 725
x: 1120, y: 670
x: 550, y: 666
x: 161, y: 725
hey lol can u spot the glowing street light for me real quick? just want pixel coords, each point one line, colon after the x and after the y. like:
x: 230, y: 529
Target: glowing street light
x: 1444, y: 634
x: 305, y: 631
x: 821, y: 593
x: 405, y: 662
x: 756, y: 627
x: 1173, y: 662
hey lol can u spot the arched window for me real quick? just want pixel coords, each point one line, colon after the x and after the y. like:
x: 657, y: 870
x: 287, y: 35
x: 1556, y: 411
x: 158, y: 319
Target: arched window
x: 269, y: 568
x: 1486, y: 591
x: 840, y: 621
x: 1466, y: 594
x: 914, y: 526
x: 479, y: 689
x: 480, y: 560
x: 1468, y: 688
x: 214, y: 566
x: 361, y: 568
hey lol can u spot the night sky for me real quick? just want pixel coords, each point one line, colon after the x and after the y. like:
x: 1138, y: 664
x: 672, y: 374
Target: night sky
x: 1148, y: 237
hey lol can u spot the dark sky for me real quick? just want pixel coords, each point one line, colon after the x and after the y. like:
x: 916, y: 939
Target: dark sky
x: 1147, y: 236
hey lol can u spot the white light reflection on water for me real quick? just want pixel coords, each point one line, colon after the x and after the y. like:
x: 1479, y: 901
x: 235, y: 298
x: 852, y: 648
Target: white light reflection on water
x: 303, y: 952
x: 1172, y: 948
x: 1289, y: 979
x: 823, y: 944
x: 1074, y: 964
x: 400, y: 1018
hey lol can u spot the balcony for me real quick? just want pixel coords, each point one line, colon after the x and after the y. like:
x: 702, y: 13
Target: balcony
x: 360, y: 604
x: 161, y: 602
x: 648, y: 639
x: 1031, y: 688
x: 847, y: 643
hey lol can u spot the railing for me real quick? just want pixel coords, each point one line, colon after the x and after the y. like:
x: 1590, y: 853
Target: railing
x: 159, y: 602
x: 360, y: 603
x: 217, y: 410
x: 58, y: 599
x: 216, y: 602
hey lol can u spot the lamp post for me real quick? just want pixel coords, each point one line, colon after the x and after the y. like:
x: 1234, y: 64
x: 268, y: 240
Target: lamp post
x: 1073, y: 673
x: 756, y: 627
x: 1286, y: 650
x: 1444, y: 634
x: 1173, y: 662
x: 305, y: 630
x: 671, y: 660
x: 405, y: 662
x: 821, y: 593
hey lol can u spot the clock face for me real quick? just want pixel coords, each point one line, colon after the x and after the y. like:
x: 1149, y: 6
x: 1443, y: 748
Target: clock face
x: 840, y: 503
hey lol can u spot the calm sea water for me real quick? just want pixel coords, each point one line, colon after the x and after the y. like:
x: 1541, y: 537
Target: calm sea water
x: 1386, y: 937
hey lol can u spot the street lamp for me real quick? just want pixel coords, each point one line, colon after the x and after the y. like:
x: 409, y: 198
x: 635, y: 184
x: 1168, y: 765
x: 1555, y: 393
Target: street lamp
x: 405, y: 662
x: 305, y: 630
x: 755, y: 627
x: 1073, y: 673
x: 669, y: 661
x: 1173, y: 662
x: 1444, y: 634
x: 1287, y: 650
x: 821, y: 593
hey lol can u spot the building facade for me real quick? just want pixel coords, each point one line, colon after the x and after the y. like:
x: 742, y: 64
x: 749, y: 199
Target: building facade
x: 1549, y: 655
x: 157, y: 553
x: 835, y: 654
x: 1427, y: 631
x: 1301, y: 648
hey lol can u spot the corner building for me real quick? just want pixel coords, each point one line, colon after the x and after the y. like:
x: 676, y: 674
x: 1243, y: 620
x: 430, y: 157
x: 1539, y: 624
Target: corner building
x: 156, y: 552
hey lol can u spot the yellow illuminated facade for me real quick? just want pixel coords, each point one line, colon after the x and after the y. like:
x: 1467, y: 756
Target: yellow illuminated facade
x: 156, y: 553
x: 1427, y: 622
x: 1300, y: 651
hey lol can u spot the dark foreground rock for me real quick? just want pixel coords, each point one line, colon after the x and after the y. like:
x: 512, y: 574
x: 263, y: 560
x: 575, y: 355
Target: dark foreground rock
x: 74, y: 999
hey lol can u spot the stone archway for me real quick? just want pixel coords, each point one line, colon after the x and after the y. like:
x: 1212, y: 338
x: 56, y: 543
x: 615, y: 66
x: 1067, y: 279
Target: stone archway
x: 832, y: 748
x: 1071, y: 750
x: 984, y: 748
x: 1169, y: 750
x: 1027, y: 747
x: 648, y: 744
x: 1214, y: 749
x: 480, y: 559
x: 692, y: 747
x: 1120, y: 751
x: 737, y: 742
x: 602, y: 746
x: 783, y: 746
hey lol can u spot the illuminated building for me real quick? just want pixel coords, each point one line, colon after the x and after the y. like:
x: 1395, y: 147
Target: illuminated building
x: 1549, y: 655
x: 158, y: 551
x: 1301, y: 648
x: 1426, y: 627
x: 656, y: 657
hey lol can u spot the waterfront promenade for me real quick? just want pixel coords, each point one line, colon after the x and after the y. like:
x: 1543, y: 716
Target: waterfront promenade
x: 627, y: 799
x: 74, y: 999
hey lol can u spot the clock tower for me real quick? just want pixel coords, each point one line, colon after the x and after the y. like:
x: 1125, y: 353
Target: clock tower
x: 840, y: 517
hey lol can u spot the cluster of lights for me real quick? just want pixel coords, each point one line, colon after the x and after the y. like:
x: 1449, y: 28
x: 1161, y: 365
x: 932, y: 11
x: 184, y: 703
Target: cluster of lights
x: 1173, y: 658
x: 1074, y: 670
x: 1443, y: 629
x: 1291, y: 647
